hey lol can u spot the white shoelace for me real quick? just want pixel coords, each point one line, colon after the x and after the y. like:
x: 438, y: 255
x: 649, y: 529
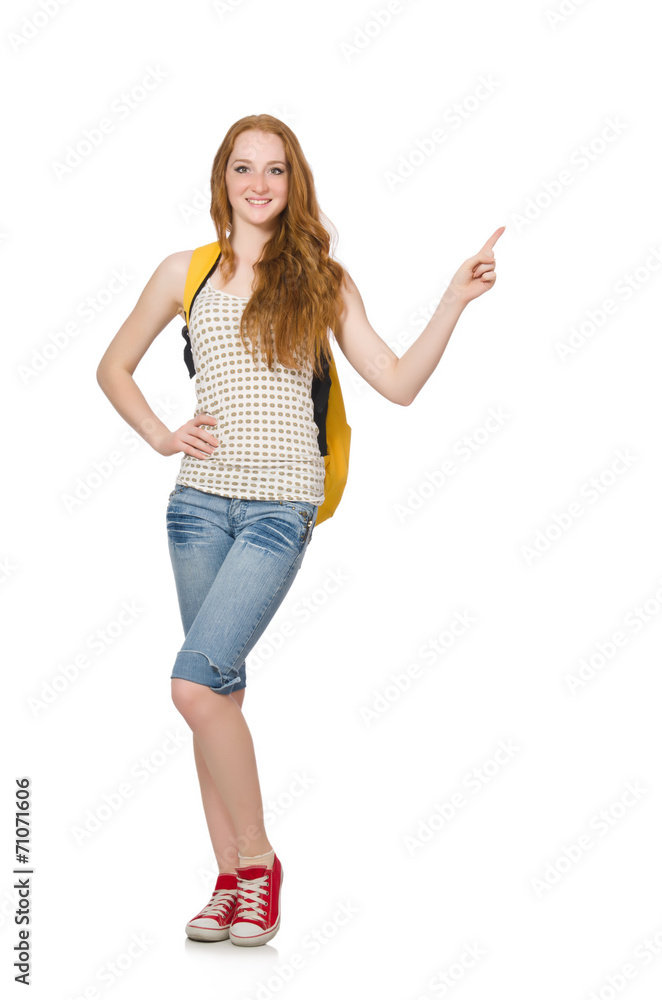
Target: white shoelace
x: 250, y: 906
x: 219, y: 903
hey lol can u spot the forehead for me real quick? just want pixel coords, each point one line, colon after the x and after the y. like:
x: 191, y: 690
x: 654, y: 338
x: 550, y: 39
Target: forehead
x: 259, y: 147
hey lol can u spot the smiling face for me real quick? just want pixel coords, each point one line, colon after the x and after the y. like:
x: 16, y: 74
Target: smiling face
x: 257, y: 178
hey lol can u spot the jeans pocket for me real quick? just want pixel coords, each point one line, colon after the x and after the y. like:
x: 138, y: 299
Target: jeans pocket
x: 178, y: 489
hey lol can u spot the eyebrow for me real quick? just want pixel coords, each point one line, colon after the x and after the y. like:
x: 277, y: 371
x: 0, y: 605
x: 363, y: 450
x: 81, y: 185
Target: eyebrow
x: 244, y: 160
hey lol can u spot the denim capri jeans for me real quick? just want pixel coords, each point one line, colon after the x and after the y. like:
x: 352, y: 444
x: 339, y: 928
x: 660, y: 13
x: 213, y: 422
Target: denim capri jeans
x: 234, y: 561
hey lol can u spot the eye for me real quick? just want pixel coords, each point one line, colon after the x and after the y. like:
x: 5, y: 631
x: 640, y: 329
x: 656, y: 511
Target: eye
x: 242, y: 166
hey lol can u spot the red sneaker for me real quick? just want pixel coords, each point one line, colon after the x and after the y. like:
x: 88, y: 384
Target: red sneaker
x: 257, y: 917
x: 213, y: 923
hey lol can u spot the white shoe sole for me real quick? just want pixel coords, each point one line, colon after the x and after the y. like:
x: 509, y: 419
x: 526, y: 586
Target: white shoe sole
x: 207, y: 933
x: 266, y: 935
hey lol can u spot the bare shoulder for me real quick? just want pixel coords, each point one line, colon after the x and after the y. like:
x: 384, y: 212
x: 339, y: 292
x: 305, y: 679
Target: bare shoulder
x: 348, y: 290
x: 159, y: 302
x: 347, y: 283
x: 353, y: 304
x: 172, y: 272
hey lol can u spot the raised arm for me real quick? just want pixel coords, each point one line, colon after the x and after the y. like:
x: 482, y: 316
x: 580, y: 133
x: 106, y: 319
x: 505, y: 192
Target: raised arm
x: 401, y: 379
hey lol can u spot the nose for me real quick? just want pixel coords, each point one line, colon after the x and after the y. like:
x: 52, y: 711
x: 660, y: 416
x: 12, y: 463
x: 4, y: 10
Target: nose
x: 260, y: 183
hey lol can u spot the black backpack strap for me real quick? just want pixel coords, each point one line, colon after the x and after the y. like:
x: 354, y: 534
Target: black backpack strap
x: 320, y: 395
x: 188, y: 353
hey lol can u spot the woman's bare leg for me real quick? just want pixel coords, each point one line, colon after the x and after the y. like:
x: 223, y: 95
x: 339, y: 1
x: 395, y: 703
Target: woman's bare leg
x: 219, y: 821
x: 226, y: 746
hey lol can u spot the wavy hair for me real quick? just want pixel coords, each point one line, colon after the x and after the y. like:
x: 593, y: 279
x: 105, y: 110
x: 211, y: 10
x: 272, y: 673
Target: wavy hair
x: 296, y: 292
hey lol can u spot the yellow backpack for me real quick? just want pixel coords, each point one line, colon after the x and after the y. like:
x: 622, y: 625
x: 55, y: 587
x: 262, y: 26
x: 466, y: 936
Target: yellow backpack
x: 334, y: 432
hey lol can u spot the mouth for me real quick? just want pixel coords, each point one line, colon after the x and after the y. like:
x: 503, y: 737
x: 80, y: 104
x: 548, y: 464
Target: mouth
x: 258, y: 201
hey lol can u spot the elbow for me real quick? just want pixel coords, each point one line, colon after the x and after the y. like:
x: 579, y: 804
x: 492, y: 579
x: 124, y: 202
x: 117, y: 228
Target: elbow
x: 403, y: 400
x: 101, y: 374
x: 400, y: 393
x: 104, y: 376
x: 395, y: 394
x: 105, y: 371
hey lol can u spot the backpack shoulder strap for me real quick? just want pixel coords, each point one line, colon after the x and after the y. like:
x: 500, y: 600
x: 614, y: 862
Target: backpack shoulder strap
x: 203, y: 261
x: 338, y: 435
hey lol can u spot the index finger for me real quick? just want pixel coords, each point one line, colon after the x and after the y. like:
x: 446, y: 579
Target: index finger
x: 493, y: 238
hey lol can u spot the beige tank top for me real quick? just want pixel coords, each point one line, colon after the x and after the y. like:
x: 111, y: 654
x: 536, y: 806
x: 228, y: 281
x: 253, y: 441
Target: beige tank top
x: 265, y: 426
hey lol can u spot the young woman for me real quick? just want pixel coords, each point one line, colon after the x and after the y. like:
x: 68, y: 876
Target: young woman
x: 251, y: 478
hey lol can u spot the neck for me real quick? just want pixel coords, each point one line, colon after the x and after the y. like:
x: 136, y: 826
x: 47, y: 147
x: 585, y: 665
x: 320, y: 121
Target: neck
x: 248, y: 241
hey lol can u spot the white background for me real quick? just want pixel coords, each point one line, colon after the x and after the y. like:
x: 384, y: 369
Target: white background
x: 552, y: 898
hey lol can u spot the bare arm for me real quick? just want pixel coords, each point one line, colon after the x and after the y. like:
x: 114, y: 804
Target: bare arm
x: 398, y: 379
x: 401, y: 379
x: 160, y: 301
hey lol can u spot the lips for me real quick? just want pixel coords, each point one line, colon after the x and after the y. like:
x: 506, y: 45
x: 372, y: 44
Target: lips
x: 258, y: 202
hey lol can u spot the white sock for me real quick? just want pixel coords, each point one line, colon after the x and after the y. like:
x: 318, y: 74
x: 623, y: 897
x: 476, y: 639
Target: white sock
x: 260, y: 859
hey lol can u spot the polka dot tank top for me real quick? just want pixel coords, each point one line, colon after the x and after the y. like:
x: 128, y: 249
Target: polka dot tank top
x: 265, y: 426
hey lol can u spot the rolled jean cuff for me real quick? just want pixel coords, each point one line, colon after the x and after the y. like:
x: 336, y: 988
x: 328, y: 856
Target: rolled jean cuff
x: 193, y: 665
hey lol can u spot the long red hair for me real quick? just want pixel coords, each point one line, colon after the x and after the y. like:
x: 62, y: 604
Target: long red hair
x: 297, y: 287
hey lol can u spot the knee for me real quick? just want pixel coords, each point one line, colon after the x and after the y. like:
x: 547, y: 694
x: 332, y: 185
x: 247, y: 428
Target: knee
x: 196, y: 702
x: 187, y: 698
